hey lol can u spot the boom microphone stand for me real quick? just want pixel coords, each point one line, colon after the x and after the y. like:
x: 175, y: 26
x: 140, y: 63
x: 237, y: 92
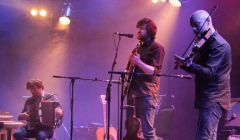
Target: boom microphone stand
x: 72, y: 93
x: 71, y: 98
x: 122, y: 75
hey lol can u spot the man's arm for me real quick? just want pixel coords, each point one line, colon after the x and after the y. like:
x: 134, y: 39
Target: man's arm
x: 215, y: 58
x: 24, y: 115
x: 135, y: 59
x: 156, y: 63
x: 58, y: 109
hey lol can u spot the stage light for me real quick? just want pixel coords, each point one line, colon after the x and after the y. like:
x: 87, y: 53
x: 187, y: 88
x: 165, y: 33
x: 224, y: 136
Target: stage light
x: 66, y: 13
x: 175, y: 3
x: 34, y: 12
x: 43, y: 13
x: 155, y: 1
x: 64, y: 20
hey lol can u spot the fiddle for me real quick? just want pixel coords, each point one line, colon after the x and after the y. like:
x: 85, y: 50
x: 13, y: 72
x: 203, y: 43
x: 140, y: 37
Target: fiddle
x: 197, y: 44
x: 198, y: 41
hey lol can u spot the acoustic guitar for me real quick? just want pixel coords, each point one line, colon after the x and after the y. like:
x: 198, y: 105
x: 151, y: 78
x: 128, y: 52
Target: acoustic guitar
x: 101, y: 132
x: 133, y: 126
x: 132, y: 123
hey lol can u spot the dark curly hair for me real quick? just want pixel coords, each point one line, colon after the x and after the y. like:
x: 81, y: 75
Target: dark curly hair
x: 151, y: 26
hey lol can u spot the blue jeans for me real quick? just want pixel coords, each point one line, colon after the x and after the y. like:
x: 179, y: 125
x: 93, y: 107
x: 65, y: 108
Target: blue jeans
x: 146, y: 109
x: 208, y: 122
x: 40, y: 134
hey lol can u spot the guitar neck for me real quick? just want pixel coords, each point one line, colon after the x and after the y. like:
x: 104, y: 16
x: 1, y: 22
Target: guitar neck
x: 103, y: 101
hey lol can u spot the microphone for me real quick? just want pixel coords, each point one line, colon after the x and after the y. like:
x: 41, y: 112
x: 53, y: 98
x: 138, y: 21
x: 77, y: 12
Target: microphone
x: 124, y: 34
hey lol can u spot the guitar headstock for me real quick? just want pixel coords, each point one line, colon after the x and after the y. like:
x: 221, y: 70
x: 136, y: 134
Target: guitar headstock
x: 103, y: 99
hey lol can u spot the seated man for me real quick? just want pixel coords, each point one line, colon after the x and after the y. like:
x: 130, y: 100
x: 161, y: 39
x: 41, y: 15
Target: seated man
x: 30, y: 113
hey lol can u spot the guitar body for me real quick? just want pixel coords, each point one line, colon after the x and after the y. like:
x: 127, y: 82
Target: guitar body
x: 133, y: 125
x: 129, y: 69
x: 100, y: 133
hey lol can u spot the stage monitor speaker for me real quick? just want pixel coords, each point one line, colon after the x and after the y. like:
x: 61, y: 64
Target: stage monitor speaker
x: 234, y: 137
x: 163, y: 121
x: 86, y: 132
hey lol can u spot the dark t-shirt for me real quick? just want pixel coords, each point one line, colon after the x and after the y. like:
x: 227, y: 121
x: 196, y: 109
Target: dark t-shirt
x: 152, y: 54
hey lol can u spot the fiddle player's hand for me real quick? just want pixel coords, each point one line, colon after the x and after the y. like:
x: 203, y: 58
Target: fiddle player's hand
x: 180, y: 61
x: 135, y: 59
x: 23, y: 116
x: 58, y: 112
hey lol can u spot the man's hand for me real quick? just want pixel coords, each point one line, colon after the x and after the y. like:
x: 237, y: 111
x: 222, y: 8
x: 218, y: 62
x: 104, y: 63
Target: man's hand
x: 58, y: 112
x: 23, y: 116
x: 135, y: 59
x: 180, y: 61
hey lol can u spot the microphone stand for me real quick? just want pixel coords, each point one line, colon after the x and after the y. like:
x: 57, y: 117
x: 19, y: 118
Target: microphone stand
x: 71, y: 99
x: 181, y: 76
x: 72, y: 93
x: 108, y: 90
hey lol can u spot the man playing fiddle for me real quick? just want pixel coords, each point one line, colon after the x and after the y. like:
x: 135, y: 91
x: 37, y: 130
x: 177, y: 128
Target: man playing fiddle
x: 211, y: 65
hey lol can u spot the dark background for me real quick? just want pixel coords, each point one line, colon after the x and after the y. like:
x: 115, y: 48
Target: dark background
x: 33, y: 48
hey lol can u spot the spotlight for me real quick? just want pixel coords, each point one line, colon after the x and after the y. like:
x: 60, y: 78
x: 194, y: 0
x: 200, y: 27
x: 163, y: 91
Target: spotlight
x: 34, y: 12
x: 64, y: 20
x: 155, y: 1
x: 43, y: 13
x: 175, y: 3
x: 66, y: 13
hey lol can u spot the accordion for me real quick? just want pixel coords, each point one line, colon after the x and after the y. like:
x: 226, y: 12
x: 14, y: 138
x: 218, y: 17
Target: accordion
x: 47, y: 113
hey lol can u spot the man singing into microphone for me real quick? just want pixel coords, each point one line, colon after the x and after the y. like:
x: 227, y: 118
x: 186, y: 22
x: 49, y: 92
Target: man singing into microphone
x: 144, y: 89
x: 212, y: 66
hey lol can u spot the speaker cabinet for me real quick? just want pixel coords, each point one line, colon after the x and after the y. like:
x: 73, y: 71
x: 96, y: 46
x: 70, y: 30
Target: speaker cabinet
x: 86, y: 132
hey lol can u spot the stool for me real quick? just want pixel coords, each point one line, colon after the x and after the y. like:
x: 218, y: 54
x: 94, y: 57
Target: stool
x: 3, y: 134
x: 46, y: 139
